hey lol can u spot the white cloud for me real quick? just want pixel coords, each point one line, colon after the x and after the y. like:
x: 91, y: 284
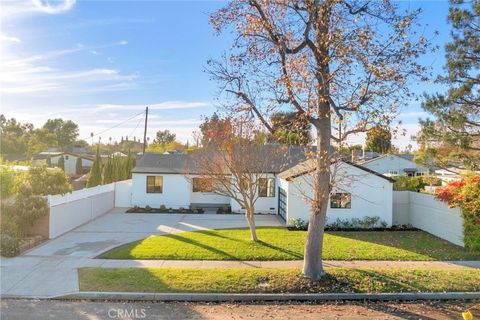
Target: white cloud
x: 24, y: 8
x: 53, y: 7
x: 37, y: 73
x: 5, y: 38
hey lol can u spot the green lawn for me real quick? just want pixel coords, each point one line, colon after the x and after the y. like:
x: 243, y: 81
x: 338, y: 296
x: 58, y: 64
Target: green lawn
x: 277, y: 280
x: 279, y: 243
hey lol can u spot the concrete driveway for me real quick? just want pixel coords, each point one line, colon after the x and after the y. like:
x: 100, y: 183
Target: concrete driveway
x: 51, y: 269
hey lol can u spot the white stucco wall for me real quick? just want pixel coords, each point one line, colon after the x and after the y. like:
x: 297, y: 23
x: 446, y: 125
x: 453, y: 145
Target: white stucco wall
x: 265, y: 205
x: 176, y: 191
x: 70, y: 163
x: 371, y: 195
x: 206, y: 197
x: 424, y: 212
x: 386, y: 164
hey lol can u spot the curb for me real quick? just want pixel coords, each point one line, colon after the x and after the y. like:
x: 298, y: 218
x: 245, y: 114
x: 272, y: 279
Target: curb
x: 223, y: 297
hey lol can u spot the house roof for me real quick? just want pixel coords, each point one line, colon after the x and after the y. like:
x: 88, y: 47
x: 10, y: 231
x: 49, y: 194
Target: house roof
x: 408, y: 157
x: 308, y: 167
x: 275, y: 158
x: 286, y: 161
x: 46, y: 154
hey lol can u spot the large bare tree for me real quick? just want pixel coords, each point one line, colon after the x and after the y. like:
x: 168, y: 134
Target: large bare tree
x: 235, y: 164
x: 343, y: 65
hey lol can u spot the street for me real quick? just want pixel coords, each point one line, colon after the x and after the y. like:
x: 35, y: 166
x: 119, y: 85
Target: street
x: 81, y: 310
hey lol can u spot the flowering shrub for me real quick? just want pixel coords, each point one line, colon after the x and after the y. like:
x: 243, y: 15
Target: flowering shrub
x: 465, y: 193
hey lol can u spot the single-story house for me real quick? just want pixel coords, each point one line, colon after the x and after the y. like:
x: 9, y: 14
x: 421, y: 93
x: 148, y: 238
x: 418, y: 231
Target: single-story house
x: 169, y: 180
x: 70, y: 159
x: 393, y: 165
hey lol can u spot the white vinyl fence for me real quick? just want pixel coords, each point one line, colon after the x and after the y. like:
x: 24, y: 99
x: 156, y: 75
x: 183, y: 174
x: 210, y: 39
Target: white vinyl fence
x: 424, y: 212
x: 71, y: 210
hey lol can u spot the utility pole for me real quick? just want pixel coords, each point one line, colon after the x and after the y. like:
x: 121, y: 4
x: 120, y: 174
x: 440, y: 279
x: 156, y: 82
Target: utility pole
x: 145, y: 131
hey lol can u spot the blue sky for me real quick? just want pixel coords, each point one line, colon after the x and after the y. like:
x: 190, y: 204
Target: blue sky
x: 99, y: 63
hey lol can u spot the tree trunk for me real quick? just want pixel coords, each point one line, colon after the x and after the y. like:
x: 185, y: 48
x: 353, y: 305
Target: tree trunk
x: 251, y: 224
x: 312, y: 263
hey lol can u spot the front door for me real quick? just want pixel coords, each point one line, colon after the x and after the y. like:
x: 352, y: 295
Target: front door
x: 282, y: 203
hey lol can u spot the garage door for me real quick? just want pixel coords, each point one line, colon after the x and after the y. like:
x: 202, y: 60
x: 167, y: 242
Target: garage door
x: 282, y: 203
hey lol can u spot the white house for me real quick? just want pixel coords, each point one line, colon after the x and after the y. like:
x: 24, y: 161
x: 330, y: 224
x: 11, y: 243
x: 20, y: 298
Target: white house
x: 169, y: 180
x: 392, y: 165
x: 70, y: 160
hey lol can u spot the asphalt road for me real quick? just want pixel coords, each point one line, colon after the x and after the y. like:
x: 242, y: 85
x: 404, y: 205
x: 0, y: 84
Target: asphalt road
x: 82, y: 310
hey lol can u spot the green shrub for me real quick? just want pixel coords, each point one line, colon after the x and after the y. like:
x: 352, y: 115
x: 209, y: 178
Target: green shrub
x: 7, y: 182
x: 297, y: 224
x: 404, y: 183
x: 20, y: 215
x: 224, y: 209
x: 8, y: 225
x: 9, y: 246
x: 45, y: 181
x: 465, y: 193
x: 355, y: 223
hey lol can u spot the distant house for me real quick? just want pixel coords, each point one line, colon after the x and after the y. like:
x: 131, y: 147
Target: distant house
x: 69, y: 157
x: 161, y: 179
x: 14, y: 157
x: 392, y: 165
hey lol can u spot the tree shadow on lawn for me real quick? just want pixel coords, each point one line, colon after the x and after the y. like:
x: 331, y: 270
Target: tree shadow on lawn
x: 418, y: 242
x: 283, y: 250
x: 229, y: 255
x: 201, y: 245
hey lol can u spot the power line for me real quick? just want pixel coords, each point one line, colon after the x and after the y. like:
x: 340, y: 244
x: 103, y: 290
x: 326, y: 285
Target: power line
x: 136, y: 127
x: 115, y: 126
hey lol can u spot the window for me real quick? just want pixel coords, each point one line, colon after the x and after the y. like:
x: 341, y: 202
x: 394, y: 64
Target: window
x: 341, y: 201
x: 419, y: 174
x: 393, y: 172
x: 202, y: 185
x: 266, y: 187
x: 66, y: 157
x: 154, y: 184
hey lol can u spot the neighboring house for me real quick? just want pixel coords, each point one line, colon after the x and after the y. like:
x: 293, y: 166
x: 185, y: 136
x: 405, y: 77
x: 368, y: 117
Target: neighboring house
x: 70, y: 160
x: 363, y: 155
x: 161, y: 179
x: 392, y: 165
x: 447, y: 175
x: 13, y: 157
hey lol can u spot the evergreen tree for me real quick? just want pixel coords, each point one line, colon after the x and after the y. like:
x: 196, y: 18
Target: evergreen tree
x: 78, y: 166
x: 379, y: 139
x: 453, y: 136
x: 95, y: 177
x: 61, y: 163
x: 129, y: 165
x: 48, y: 161
x: 108, y: 176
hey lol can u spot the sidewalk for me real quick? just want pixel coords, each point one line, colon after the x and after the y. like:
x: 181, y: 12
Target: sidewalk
x: 108, y: 263
x: 43, y: 277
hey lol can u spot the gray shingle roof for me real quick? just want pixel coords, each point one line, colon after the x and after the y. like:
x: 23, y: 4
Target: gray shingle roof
x: 277, y: 159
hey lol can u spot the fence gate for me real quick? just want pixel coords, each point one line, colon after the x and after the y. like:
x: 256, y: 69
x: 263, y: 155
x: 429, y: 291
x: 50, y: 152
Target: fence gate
x: 282, y: 203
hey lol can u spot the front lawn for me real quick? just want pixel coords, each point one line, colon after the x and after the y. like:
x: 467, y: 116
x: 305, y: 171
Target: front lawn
x: 279, y: 243
x: 277, y: 280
